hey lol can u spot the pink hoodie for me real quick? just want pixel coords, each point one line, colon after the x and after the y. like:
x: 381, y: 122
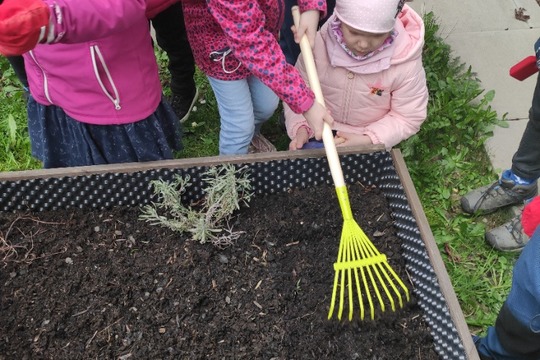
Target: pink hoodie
x: 103, y: 69
x: 384, y: 97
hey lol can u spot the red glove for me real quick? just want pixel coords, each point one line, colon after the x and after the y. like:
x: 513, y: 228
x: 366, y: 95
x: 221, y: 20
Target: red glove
x: 21, y: 23
x: 530, y: 217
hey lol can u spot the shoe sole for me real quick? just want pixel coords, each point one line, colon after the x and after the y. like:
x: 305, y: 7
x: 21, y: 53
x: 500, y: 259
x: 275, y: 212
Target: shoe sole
x: 195, y: 98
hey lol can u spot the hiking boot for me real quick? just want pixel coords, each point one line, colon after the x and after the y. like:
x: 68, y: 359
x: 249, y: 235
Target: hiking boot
x: 504, y: 192
x: 509, y: 236
x: 182, y: 105
x: 260, y: 144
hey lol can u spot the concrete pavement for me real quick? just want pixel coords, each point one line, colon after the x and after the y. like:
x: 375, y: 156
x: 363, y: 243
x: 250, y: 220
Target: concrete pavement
x: 486, y: 35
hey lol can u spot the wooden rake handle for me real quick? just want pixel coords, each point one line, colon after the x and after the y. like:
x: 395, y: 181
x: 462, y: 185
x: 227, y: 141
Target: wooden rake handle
x: 314, y: 84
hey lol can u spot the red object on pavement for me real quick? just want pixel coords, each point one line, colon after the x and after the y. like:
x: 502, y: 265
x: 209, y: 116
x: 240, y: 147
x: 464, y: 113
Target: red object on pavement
x: 524, y: 68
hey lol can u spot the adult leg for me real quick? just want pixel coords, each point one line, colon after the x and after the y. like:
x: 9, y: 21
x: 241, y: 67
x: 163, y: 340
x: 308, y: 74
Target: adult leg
x: 516, y: 186
x: 236, y: 112
x: 172, y: 38
x: 526, y: 160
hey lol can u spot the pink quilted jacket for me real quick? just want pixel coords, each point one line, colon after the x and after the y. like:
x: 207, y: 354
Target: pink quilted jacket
x: 233, y: 39
x: 364, y: 97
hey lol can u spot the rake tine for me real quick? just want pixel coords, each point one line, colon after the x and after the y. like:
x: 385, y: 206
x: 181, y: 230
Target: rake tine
x: 400, y: 283
x: 359, y: 294
x: 337, y: 277
x: 361, y: 253
x: 350, y: 288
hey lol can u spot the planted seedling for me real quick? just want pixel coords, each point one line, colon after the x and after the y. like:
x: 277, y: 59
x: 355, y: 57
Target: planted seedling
x: 226, y: 189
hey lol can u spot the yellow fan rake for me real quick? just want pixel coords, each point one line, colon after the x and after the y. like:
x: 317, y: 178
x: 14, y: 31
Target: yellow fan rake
x: 360, y: 269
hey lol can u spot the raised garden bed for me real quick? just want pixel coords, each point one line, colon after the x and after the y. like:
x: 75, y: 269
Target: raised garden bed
x: 90, y: 280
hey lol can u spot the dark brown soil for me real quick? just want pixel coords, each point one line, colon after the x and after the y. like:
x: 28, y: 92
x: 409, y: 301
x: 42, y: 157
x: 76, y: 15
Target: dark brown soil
x: 82, y: 284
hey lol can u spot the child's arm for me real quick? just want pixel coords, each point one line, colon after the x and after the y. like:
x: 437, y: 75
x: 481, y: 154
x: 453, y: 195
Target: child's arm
x: 26, y: 23
x: 294, y: 121
x: 23, y: 24
x: 76, y: 22
x: 350, y: 139
x: 300, y: 139
x: 311, y: 11
x: 258, y: 49
x: 309, y: 21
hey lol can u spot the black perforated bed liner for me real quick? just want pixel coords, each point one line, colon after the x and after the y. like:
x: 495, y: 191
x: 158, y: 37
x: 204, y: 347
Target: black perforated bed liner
x: 106, y: 189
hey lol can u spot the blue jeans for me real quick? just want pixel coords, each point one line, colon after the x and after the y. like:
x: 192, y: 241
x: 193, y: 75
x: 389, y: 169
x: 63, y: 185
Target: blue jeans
x: 243, y: 105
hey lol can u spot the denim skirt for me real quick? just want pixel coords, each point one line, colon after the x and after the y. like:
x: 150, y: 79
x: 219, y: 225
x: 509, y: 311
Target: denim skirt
x: 58, y: 140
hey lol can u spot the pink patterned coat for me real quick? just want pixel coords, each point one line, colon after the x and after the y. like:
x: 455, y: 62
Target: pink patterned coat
x: 232, y: 39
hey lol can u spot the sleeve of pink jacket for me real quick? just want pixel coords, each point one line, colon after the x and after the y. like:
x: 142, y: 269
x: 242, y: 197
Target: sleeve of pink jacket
x: 75, y: 21
x: 408, y: 110
x: 294, y: 121
x: 243, y: 23
x: 305, y: 5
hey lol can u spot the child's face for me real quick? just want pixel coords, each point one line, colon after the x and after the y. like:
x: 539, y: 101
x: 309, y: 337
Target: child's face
x: 361, y: 42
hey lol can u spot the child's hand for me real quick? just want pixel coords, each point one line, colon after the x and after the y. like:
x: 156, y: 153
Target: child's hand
x: 316, y: 116
x: 22, y: 23
x: 349, y: 139
x: 309, y: 21
x: 302, y: 137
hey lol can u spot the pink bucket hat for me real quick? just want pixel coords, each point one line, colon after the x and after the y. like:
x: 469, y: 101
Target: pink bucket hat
x: 374, y: 16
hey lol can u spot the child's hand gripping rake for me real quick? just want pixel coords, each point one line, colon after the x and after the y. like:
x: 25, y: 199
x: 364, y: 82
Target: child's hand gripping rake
x: 357, y: 256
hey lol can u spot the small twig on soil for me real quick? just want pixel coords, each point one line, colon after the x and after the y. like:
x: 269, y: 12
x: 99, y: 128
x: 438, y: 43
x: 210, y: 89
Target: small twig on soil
x: 410, y: 278
x: 81, y: 312
x: 100, y: 331
x: 293, y: 243
x: 9, y: 251
x: 92, y: 338
x: 257, y: 304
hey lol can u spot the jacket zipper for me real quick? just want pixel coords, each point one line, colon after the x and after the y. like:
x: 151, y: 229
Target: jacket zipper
x: 348, y: 94
x: 45, y: 80
x: 115, y: 98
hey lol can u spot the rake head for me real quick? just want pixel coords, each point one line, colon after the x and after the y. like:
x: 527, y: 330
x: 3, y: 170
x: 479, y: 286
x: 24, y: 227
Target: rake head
x: 365, y: 274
